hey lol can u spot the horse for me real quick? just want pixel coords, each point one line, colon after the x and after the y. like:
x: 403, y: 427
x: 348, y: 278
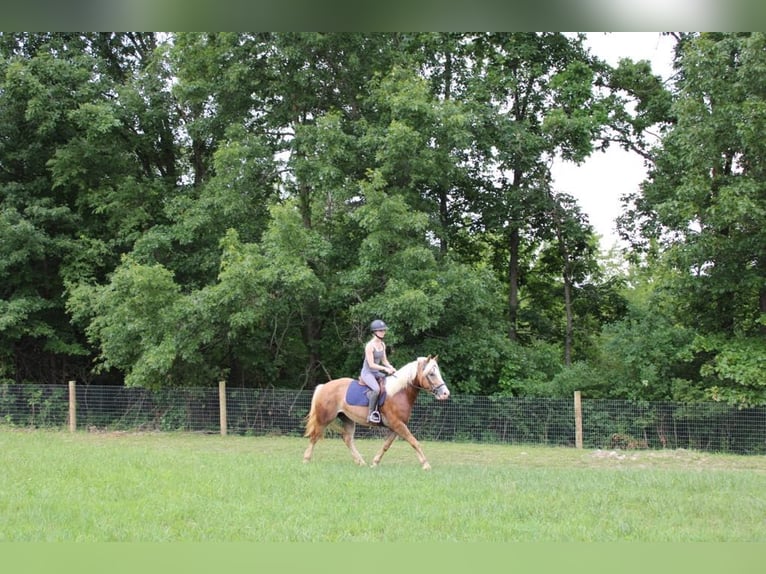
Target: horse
x: 329, y: 403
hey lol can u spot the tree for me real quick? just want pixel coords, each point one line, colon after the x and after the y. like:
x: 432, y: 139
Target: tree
x: 703, y: 208
x: 564, y: 265
x: 60, y: 144
x: 538, y: 98
x: 186, y: 207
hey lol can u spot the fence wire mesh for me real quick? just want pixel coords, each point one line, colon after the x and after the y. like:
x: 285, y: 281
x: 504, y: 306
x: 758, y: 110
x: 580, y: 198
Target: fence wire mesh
x: 606, y: 424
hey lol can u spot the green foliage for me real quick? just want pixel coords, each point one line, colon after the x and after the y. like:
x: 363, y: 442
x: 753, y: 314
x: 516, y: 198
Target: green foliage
x: 189, y: 207
x: 145, y: 326
x: 469, y: 336
x: 133, y: 317
x: 645, y: 356
x: 581, y: 376
x: 735, y: 368
x: 530, y: 370
x: 397, y: 270
x: 703, y: 211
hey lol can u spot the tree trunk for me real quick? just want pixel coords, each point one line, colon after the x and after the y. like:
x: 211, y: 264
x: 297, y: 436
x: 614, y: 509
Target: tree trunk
x: 568, y: 306
x: 567, y: 276
x: 513, y: 284
x: 444, y: 220
x: 762, y: 300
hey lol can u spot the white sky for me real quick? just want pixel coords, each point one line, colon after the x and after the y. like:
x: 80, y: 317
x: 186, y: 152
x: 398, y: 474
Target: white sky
x: 600, y: 182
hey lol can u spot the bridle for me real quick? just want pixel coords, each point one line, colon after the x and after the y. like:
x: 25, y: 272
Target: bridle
x: 433, y: 389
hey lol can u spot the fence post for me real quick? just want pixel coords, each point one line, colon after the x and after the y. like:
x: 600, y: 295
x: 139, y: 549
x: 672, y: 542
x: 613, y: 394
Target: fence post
x: 578, y: 419
x: 222, y: 404
x: 72, y: 406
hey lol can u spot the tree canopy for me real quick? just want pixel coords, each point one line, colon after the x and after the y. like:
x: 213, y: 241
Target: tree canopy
x: 181, y: 208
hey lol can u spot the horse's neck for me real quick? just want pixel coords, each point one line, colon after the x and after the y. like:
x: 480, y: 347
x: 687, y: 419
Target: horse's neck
x: 404, y: 376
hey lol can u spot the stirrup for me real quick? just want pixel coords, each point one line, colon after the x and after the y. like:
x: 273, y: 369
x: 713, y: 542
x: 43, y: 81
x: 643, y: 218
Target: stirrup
x: 373, y: 417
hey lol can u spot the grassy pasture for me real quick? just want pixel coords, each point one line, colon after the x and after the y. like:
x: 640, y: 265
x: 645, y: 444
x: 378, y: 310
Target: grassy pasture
x: 181, y: 487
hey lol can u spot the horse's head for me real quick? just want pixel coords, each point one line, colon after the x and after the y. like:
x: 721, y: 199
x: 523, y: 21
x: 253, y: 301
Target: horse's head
x: 429, y: 378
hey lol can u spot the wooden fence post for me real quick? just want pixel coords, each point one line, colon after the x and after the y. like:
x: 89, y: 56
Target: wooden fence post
x: 578, y: 419
x: 72, y: 406
x: 222, y: 405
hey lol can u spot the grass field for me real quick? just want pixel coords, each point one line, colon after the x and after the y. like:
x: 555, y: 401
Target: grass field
x: 180, y: 487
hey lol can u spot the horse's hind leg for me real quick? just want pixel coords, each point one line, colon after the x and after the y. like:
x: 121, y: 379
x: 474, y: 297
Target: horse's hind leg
x: 308, y: 453
x: 314, y: 432
x: 349, y: 428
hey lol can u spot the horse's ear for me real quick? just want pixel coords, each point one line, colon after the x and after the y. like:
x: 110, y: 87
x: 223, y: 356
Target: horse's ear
x: 436, y: 357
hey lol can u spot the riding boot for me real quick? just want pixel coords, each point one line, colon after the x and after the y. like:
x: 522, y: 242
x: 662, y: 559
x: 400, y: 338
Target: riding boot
x: 374, y: 415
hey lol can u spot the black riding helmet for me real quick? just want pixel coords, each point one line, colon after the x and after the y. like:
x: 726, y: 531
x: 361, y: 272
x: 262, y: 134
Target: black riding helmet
x: 378, y: 325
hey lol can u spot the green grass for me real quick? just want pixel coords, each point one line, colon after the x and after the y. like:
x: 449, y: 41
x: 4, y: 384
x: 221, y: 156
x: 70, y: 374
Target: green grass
x: 156, y: 487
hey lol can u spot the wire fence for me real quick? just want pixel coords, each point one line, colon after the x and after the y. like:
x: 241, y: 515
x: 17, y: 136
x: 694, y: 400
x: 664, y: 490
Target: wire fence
x: 605, y: 424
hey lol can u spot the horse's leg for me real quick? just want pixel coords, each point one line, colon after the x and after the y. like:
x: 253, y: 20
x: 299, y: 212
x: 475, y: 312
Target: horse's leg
x: 401, y: 429
x: 386, y: 445
x: 349, y: 428
x: 314, y: 436
x: 309, y: 451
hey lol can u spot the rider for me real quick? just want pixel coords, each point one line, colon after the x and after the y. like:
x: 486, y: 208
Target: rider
x: 375, y: 367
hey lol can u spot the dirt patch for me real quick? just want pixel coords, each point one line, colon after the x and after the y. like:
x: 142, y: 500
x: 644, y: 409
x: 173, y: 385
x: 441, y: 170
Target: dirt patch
x: 679, y: 459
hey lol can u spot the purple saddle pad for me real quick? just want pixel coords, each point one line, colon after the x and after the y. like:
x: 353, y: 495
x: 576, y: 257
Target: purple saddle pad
x: 357, y: 394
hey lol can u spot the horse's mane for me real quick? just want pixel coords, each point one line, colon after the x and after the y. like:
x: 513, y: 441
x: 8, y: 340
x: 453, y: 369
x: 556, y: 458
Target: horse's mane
x: 405, y: 375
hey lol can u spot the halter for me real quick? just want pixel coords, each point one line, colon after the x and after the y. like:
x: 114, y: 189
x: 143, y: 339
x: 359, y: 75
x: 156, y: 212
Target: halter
x: 426, y: 375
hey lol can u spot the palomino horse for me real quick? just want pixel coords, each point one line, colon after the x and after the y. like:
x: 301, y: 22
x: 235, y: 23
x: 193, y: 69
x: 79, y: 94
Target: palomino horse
x: 329, y: 402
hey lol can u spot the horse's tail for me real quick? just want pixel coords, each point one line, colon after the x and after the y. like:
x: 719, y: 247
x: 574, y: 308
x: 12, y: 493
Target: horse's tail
x: 314, y: 429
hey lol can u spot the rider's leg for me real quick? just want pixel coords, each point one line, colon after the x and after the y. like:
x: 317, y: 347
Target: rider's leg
x: 373, y: 416
x: 373, y: 393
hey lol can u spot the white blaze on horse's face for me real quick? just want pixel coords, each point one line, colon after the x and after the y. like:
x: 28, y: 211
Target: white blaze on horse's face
x: 436, y: 383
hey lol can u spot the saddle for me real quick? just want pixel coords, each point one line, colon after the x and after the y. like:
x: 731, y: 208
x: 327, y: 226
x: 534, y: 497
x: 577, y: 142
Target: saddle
x: 356, y: 394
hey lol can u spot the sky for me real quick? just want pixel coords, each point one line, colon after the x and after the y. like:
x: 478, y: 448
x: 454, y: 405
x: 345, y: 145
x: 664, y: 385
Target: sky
x: 600, y: 182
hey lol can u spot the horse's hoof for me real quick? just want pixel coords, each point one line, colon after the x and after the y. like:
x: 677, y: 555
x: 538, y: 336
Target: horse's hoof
x: 426, y: 466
